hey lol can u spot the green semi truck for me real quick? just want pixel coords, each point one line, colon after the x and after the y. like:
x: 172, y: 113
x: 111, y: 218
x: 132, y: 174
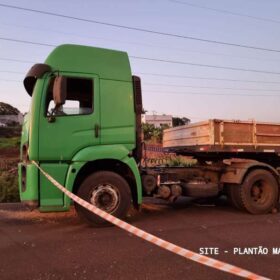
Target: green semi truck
x: 84, y: 129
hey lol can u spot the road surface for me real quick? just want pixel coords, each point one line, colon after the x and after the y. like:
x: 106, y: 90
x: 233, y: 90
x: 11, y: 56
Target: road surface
x: 54, y: 246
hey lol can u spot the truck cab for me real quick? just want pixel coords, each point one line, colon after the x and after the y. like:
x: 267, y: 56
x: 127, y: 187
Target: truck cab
x: 84, y: 119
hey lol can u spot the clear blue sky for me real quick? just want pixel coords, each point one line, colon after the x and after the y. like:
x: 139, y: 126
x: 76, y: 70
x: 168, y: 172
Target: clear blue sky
x: 170, y: 95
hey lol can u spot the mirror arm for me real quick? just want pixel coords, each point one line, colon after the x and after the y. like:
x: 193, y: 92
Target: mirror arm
x: 51, y: 117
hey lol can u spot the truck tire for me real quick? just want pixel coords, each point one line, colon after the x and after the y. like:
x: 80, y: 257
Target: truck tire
x: 109, y: 192
x: 259, y: 192
x: 233, y: 195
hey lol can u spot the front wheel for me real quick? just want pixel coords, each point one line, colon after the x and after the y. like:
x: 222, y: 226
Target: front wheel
x: 259, y: 192
x: 106, y: 190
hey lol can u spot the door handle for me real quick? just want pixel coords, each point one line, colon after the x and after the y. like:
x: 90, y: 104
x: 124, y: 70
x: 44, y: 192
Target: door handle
x: 96, y: 129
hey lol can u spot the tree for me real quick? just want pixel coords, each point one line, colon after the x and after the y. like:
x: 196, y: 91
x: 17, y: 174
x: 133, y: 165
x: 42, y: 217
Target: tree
x: 153, y: 133
x: 180, y: 121
x: 148, y: 130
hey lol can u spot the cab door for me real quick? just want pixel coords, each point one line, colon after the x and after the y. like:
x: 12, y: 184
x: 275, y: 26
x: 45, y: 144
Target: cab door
x: 65, y: 131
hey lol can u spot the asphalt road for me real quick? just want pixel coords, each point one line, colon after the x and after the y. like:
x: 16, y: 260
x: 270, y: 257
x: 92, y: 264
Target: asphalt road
x: 59, y: 246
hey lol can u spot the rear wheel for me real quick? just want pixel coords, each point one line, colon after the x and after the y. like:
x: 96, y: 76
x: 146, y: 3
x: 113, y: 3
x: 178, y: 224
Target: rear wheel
x: 233, y: 194
x: 106, y: 190
x: 259, y: 192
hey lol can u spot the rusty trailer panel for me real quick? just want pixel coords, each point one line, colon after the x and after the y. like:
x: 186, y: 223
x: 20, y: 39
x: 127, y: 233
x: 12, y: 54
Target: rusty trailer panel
x: 225, y: 135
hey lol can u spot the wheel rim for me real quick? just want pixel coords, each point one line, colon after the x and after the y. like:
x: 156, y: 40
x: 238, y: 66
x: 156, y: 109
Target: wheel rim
x: 106, y: 197
x: 260, y: 192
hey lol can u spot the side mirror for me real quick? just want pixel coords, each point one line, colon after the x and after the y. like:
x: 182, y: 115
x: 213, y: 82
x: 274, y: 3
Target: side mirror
x: 59, y: 90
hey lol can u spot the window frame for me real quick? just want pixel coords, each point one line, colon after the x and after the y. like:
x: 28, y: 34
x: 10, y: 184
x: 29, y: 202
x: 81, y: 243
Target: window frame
x: 68, y: 75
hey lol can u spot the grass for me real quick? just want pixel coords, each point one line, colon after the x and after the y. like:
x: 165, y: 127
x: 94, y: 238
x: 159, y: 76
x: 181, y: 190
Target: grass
x: 9, y: 187
x: 8, y: 170
x: 169, y: 161
x: 9, y: 181
x: 181, y: 161
x: 10, y: 131
x: 11, y: 142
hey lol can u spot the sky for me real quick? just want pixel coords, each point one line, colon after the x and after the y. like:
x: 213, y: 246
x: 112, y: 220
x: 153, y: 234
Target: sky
x: 183, y: 90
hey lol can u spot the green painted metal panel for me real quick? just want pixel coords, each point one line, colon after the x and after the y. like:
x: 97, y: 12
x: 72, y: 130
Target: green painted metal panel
x: 101, y: 152
x: 134, y: 168
x: 107, y: 64
x: 31, y: 189
x: 117, y: 112
x: 24, y: 134
x: 73, y: 170
x: 49, y: 194
x: 34, y: 120
x: 62, y: 139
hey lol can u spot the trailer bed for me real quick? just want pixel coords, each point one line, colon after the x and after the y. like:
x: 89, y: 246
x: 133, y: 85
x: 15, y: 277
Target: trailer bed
x: 230, y: 136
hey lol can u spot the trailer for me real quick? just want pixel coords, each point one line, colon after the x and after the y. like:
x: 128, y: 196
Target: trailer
x: 243, y: 155
x: 84, y: 129
x: 226, y: 136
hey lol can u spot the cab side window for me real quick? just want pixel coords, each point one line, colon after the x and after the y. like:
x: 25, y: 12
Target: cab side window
x: 79, y: 98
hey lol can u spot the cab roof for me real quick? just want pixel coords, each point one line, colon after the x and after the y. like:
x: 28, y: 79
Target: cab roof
x: 106, y: 63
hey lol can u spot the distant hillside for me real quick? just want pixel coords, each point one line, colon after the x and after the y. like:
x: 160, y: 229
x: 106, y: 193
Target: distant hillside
x: 7, y: 109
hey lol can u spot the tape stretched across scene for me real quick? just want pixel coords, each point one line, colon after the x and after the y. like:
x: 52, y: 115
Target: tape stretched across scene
x: 219, y: 265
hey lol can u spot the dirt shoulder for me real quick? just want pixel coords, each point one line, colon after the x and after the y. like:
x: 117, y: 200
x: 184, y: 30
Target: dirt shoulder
x: 9, y: 153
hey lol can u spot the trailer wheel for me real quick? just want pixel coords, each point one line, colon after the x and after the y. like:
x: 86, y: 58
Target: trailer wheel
x: 233, y: 194
x: 106, y: 190
x: 259, y: 192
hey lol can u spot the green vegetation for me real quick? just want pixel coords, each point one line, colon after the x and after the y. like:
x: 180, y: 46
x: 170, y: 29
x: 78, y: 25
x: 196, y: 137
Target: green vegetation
x: 8, y: 169
x: 11, y: 142
x: 181, y: 161
x: 7, y: 109
x: 9, y: 153
x: 9, y: 186
x: 170, y: 161
x: 8, y: 180
x: 10, y: 131
x: 180, y: 121
x: 152, y: 133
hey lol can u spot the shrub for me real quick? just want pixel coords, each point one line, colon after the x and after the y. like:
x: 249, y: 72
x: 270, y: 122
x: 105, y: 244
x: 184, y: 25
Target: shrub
x: 9, y: 187
x: 10, y: 142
